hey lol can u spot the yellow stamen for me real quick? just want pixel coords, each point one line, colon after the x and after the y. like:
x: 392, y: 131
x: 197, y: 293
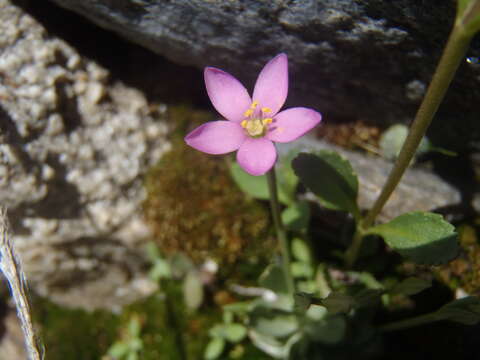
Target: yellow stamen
x: 267, y: 121
x: 248, y: 113
x: 244, y: 123
x: 266, y: 110
x: 254, y: 105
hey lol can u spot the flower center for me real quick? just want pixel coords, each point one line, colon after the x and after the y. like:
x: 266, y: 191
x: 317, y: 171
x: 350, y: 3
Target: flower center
x: 257, y: 121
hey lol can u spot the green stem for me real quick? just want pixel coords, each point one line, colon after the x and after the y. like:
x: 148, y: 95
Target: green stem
x: 281, y: 234
x: 453, y: 55
x: 352, y: 252
x: 408, y: 323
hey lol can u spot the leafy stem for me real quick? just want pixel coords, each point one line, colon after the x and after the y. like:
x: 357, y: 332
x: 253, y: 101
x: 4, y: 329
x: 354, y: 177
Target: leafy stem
x: 280, y: 229
x: 452, y: 56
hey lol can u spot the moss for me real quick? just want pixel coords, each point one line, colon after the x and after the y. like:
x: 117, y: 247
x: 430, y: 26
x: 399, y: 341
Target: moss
x: 463, y: 271
x: 194, y: 207
x: 74, y: 334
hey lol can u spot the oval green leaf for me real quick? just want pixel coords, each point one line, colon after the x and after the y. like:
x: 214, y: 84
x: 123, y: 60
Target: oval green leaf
x: 422, y: 237
x: 330, y: 177
x: 214, y: 348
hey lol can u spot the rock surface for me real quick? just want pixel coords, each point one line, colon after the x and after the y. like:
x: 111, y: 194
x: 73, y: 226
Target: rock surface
x: 73, y: 147
x: 419, y: 190
x: 367, y: 59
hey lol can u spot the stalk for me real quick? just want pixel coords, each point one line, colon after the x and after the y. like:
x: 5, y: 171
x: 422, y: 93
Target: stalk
x: 280, y: 229
x: 452, y: 56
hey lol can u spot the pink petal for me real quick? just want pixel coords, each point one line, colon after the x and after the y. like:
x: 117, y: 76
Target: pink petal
x: 257, y: 156
x: 290, y: 124
x: 227, y: 94
x: 271, y: 87
x: 216, y: 137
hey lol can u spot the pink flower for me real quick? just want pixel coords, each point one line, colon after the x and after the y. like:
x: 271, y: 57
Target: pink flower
x: 252, y: 125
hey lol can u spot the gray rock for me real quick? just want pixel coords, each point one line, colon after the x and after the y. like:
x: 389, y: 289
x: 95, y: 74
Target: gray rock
x: 367, y: 59
x: 73, y: 148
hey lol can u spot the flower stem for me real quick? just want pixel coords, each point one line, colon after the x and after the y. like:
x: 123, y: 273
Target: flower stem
x: 452, y: 56
x: 281, y: 234
x: 352, y: 252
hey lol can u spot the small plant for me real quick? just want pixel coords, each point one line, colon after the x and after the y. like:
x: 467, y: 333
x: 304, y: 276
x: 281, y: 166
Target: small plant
x: 306, y: 307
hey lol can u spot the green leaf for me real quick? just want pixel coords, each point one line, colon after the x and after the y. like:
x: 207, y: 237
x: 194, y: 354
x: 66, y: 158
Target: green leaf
x: 425, y: 238
x: 273, y: 278
x: 193, y: 290
x: 134, y: 327
x: 255, y: 186
x: 153, y: 253
x: 235, y: 332
x: 337, y: 302
x: 302, y: 302
x: 300, y: 251
x: 465, y: 311
x: 118, y: 350
x: 296, y: 217
x: 301, y: 269
x: 392, y: 140
x: 276, y: 325
x: 411, y: 286
x: 214, y: 349
x: 367, y: 297
x: 287, y: 179
x: 331, y: 178
x: 160, y: 270
x: 272, y: 346
x: 240, y: 307
x: 330, y: 330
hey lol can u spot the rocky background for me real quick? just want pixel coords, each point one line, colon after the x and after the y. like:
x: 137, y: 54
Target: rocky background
x: 367, y: 59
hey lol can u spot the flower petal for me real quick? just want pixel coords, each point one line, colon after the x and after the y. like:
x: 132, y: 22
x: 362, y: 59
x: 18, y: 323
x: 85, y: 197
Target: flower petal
x: 216, y: 137
x: 271, y: 88
x: 227, y: 94
x: 290, y: 124
x: 257, y: 156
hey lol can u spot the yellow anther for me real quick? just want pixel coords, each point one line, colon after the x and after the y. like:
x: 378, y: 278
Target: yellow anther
x: 244, y: 123
x: 254, y: 105
x: 248, y: 113
x: 266, y: 110
x: 267, y: 121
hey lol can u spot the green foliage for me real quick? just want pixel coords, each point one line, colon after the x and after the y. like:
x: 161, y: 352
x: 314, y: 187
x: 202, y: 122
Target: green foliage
x: 273, y: 278
x: 74, y: 334
x: 331, y: 178
x: 411, y: 286
x: 257, y: 186
x: 296, y: 217
x: 214, y: 348
x: 392, y: 140
x: 301, y: 251
x: 130, y: 347
x: 464, y: 311
x: 425, y: 238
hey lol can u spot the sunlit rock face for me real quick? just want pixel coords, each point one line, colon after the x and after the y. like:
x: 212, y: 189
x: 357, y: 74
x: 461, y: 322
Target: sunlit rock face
x: 74, y: 145
x: 367, y: 59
